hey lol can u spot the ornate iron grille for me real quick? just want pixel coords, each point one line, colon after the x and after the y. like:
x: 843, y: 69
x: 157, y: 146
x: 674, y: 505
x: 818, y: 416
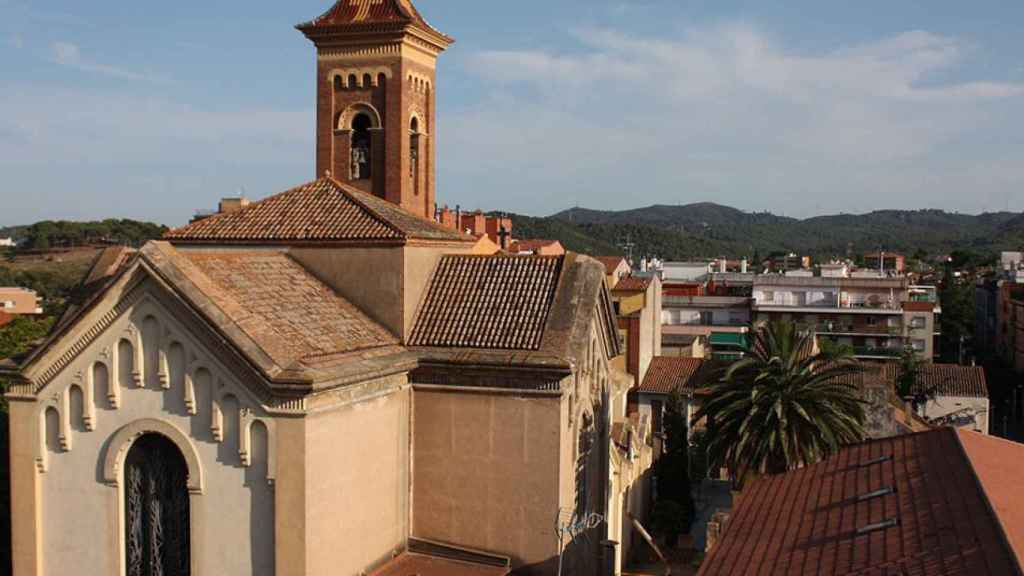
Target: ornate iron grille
x: 156, y: 509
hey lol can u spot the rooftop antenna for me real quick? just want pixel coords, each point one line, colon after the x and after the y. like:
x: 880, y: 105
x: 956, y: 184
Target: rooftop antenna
x: 628, y: 246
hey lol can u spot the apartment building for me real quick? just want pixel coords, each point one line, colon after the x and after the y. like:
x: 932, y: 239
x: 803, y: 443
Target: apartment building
x: 20, y: 301
x: 878, y: 316
x: 885, y: 262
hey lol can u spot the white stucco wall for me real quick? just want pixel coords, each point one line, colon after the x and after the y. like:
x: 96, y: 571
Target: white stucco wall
x: 232, y: 521
x: 946, y: 405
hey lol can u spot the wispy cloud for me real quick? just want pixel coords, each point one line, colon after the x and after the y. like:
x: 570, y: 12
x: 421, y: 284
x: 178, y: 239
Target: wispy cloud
x: 118, y: 127
x: 70, y: 55
x: 729, y: 113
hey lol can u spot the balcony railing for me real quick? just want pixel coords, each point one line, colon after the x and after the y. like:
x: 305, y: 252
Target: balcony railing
x: 877, y: 352
x: 841, y: 328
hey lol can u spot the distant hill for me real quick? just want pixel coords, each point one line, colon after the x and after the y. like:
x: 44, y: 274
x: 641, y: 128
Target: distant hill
x: 710, y: 230
x: 64, y: 234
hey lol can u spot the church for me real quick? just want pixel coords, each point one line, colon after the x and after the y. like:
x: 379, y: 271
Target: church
x: 329, y: 381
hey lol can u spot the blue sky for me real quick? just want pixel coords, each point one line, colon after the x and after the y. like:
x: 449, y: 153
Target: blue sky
x: 152, y: 110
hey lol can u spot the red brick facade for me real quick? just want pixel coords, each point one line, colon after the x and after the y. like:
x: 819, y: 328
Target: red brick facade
x: 376, y: 93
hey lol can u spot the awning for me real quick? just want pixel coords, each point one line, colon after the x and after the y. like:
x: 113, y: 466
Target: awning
x: 728, y: 340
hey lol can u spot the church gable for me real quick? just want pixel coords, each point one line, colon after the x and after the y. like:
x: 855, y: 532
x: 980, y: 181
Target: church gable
x: 146, y: 349
x: 146, y: 374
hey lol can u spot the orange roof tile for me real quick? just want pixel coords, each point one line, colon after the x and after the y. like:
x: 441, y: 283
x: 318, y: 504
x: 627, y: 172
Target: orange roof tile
x: 324, y: 210
x: 904, y: 505
x: 667, y: 374
x: 999, y: 465
x: 632, y: 284
x: 499, y: 302
x: 531, y: 245
x: 610, y: 263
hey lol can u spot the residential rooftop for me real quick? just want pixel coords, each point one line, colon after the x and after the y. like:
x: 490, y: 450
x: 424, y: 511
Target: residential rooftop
x: 936, y: 503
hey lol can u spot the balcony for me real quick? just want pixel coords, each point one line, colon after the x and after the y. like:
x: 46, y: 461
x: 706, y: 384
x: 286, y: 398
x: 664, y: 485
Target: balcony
x: 876, y: 352
x: 842, y: 329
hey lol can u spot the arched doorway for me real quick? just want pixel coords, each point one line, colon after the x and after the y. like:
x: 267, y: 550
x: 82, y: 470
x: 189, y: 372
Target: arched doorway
x: 156, y: 509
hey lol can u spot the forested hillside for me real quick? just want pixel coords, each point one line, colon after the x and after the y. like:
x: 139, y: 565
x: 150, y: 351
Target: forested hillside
x: 710, y: 230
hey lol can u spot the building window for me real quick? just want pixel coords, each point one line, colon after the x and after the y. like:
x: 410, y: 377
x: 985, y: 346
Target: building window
x: 584, y: 446
x: 361, y: 154
x: 918, y: 322
x: 414, y: 150
x: 919, y: 345
x: 156, y: 509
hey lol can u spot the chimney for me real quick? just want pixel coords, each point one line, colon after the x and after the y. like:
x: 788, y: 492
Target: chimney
x: 228, y: 205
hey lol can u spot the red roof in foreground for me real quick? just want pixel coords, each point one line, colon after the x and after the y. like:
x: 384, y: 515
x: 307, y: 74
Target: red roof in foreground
x: 932, y: 504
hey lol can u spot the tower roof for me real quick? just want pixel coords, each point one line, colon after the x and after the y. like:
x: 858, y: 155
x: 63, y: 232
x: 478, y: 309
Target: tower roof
x: 369, y: 15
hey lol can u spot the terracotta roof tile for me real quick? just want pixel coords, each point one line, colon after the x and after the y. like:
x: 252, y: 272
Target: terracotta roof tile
x: 324, y: 210
x: 904, y: 505
x: 999, y: 465
x: 498, y: 302
x: 290, y: 314
x: 610, y: 263
x: 668, y: 373
x: 532, y: 245
x: 945, y: 379
x: 632, y: 284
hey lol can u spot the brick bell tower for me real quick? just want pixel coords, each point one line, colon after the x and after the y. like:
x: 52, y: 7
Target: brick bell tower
x: 375, y: 104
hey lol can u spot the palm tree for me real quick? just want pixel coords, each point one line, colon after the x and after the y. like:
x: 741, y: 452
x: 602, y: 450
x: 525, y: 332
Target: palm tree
x: 782, y: 406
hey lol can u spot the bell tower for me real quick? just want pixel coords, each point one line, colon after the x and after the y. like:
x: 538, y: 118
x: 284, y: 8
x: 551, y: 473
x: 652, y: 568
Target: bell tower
x: 375, y: 105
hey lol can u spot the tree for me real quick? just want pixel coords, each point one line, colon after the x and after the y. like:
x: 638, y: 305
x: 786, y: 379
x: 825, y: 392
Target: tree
x: 907, y: 380
x: 957, y: 318
x: 675, y: 500
x: 780, y: 407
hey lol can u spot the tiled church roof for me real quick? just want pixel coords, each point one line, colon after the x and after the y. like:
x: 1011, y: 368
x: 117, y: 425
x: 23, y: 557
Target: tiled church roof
x: 280, y: 316
x: 288, y: 312
x: 324, y: 210
x: 496, y: 302
x: 935, y: 503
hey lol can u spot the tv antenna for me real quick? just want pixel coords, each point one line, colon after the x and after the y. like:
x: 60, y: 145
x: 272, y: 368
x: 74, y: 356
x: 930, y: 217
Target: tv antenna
x: 627, y: 245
